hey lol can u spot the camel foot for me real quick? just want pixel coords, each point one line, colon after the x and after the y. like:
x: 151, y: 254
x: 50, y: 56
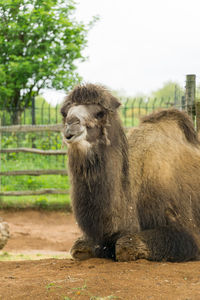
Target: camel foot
x: 82, y: 249
x: 130, y: 248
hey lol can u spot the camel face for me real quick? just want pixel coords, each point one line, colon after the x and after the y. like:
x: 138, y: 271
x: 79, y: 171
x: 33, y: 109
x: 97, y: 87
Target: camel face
x: 82, y: 124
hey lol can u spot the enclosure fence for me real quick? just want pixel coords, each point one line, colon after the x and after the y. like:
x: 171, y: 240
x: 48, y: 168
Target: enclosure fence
x: 32, y: 160
x: 131, y: 110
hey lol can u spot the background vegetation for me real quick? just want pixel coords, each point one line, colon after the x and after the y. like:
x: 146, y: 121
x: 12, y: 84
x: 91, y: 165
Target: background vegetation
x: 41, y: 42
x: 131, y: 111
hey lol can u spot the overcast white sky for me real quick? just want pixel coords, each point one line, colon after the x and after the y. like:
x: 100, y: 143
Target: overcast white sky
x: 137, y: 45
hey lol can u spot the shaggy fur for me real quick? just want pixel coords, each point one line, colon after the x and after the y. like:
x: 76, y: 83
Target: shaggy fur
x: 136, y: 196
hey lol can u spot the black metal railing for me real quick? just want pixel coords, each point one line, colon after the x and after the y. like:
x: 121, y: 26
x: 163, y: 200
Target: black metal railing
x: 131, y: 111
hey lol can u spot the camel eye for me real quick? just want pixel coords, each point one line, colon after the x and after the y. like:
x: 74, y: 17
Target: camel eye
x: 63, y: 114
x: 100, y: 115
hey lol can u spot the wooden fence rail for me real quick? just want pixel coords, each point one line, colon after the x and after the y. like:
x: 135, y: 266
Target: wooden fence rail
x: 31, y: 128
x: 34, y: 150
x: 34, y: 172
x: 38, y: 192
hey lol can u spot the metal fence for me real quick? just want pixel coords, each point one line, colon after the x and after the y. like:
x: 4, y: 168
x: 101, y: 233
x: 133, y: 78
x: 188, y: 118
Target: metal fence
x: 21, y: 167
x: 131, y: 110
x: 20, y: 170
x: 34, y: 115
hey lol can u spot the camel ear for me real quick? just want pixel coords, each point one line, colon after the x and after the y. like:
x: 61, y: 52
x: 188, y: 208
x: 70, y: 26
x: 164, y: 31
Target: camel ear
x: 63, y: 111
x: 114, y: 103
x: 65, y: 107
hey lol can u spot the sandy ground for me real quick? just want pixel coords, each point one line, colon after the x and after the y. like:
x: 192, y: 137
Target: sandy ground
x: 53, y: 233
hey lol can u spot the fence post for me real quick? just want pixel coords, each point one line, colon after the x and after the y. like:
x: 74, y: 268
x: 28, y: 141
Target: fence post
x: 190, y: 90
x: 33, y: 111
x: 183, y: 105
x: 33, y: 121
x: 197, y: 106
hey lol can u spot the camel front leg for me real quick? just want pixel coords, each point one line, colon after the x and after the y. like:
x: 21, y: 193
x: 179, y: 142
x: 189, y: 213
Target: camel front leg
x: 160, y: 244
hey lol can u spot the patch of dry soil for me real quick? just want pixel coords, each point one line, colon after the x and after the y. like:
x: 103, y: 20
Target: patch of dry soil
x: 54, y: 232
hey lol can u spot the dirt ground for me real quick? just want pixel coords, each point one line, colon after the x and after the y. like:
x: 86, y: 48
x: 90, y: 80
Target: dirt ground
x: 53, y: 233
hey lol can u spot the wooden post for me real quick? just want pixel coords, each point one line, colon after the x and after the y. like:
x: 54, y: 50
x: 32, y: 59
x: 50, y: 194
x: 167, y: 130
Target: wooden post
x: 197, y: 106
x: 183, y: 102
x: 33, y: 111
x: 33, y: 121
x: 190, y: 90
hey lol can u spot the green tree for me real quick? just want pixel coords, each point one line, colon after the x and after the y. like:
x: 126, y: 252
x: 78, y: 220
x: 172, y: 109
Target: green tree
x: 40, y: 43
x: 171, y: 91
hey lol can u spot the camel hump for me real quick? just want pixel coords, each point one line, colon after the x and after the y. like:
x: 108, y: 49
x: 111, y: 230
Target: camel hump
x: 183, y: 121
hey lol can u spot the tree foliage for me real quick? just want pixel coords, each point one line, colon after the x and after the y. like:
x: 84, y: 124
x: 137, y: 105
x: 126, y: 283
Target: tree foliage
x: 40, y: 42
x: 170, y: 90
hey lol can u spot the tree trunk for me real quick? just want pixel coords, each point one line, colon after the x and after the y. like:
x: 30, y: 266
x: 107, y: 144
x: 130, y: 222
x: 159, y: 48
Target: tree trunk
x: 16, y: 117
x: 4, y: 233
x: 16, y: 109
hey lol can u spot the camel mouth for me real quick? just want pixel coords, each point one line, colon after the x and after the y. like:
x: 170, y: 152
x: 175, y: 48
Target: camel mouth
x: 72, y: 138
x: 69, y: 137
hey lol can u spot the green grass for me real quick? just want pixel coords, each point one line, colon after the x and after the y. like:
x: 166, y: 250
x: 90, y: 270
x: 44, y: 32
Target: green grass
x: 40, y: 140
x: 25, y: 182
x: 27, y: 161
x: 43, y: 202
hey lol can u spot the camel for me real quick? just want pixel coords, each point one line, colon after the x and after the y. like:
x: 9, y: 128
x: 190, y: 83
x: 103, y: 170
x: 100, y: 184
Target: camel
x: 134, y: 196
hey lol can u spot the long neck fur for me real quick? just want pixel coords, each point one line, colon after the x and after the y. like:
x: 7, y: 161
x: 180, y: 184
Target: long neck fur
x: 98, y: 179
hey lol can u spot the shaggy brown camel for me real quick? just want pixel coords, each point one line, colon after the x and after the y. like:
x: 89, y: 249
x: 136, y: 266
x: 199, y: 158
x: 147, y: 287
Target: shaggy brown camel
x: 136, y: 196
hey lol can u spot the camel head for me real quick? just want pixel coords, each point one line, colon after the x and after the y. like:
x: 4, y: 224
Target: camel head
x: 87, y: 113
